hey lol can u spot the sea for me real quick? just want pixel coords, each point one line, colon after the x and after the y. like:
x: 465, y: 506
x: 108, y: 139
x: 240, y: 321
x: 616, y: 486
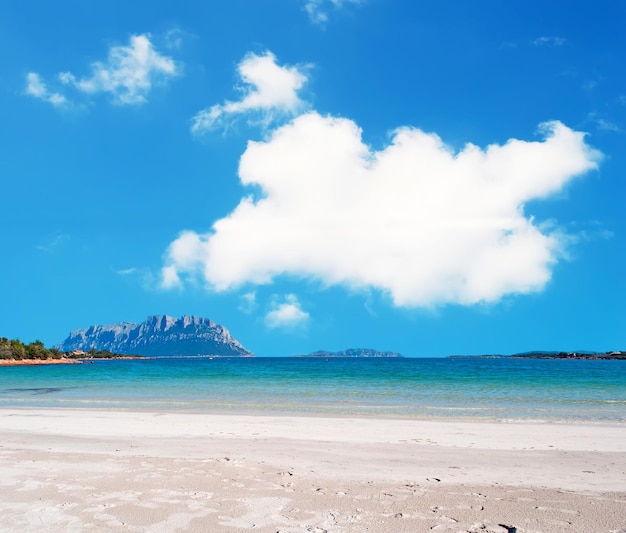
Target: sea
x: 486, y: 389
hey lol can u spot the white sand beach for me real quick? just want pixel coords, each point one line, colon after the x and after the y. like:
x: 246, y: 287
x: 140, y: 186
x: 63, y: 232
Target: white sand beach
x: 96, y: 470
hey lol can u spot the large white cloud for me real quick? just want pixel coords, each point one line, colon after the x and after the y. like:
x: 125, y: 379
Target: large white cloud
x: 271, y: 90
x: 415, y: 220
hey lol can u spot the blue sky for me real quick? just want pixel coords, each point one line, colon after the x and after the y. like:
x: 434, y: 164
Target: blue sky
x: 431, y: 178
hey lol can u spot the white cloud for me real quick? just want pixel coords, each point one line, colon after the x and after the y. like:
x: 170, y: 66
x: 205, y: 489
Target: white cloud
x: 145, y: 276
x: 248, y: 302
x: 37, y: 88
x: 170, y: 278
x: 127, y: 271
x: 601, y: 123
x: 286, y: 314
x: 415, y: 220
x: 53, y: 244
x: 128, y: 73
x: 184, y: 255
x: 549, y: 41
x: 318, y: 9
x: 606, y: 125
x: 270, y: 90
x: 174, y: 39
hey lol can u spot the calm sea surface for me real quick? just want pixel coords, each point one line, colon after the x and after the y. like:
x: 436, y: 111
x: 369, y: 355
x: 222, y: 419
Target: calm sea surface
x: 468, y: 388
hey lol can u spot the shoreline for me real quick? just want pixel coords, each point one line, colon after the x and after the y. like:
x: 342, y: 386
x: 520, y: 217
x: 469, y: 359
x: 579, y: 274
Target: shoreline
x: 509, y: 435
x: 289, y: 473
x: 64, y: 360
x: 37, y: 362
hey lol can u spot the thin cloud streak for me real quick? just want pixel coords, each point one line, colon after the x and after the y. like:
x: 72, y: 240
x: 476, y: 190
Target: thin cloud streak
x: 54, y: 244
x: 551, y: 41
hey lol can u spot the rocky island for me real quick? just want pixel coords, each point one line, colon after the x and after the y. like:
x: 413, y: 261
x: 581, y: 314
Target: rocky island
x: 540, y: 354
x: 158, y: 335
x: 354, y: 352
x: 618, y: 354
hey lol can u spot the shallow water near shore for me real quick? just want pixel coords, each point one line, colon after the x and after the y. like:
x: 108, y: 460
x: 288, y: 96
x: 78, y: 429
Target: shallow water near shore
x: 465, y: 388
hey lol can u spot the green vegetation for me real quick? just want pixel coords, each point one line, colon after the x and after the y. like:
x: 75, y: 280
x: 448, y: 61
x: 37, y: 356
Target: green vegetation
x: 14, y: 349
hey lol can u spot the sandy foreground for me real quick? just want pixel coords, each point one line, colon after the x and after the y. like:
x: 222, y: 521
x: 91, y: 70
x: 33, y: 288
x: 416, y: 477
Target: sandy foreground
x: 91, y: 470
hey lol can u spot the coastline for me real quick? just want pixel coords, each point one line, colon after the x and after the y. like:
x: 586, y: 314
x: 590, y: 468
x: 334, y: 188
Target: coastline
x: 139, y: 469
x: 64, y: 360
x: 37, y: 362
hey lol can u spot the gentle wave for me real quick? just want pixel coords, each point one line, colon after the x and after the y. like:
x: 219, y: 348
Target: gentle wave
x: 416, y: 388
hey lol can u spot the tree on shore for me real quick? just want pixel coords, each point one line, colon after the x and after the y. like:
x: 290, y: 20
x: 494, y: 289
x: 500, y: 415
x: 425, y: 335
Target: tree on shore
x: 15, y: 349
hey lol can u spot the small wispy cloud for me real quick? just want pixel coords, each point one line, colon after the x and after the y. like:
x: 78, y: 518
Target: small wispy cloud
x: 602, y: 123
x: 606, y: 125
x: 551, y: 41
x: 286, y: 314
x: 270, y: 91
x: 586, y: 232
x: 590, y: 85
x: 317, y: 10
x: 170, y: 278
x: 126, y: 271
x: 144, y: 276
x: 37, y: 88
x: 127, y: 75
x: 248, y: 302
x: 53, y: 244
x: 594, y: 235
x: 174, y: 38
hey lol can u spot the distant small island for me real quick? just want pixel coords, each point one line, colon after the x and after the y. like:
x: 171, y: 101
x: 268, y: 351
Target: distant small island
x: 539, y: 354
x: 15, y: 352
x: 354, y: 352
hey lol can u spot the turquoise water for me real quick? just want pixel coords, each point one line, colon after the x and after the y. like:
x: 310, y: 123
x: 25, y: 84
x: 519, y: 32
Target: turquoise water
x: 467, y: 388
